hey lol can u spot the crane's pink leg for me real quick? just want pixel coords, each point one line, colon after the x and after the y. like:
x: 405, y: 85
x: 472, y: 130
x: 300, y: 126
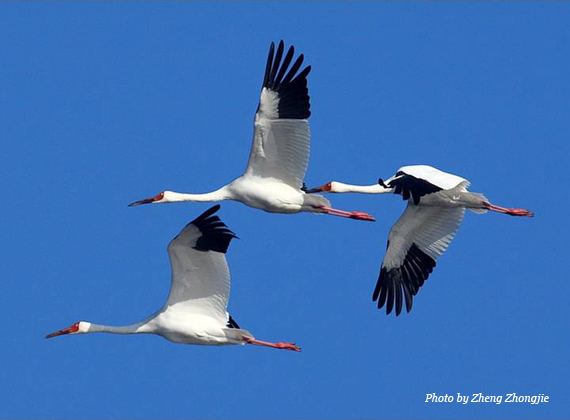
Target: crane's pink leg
x: 509, y: 211
x: 358, y: 215
x: 282, y: 346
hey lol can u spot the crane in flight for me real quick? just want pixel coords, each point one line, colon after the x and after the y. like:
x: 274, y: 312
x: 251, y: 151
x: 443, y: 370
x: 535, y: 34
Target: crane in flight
x: 196, y: 309
x: 273, y: 179
x: 436, y: 204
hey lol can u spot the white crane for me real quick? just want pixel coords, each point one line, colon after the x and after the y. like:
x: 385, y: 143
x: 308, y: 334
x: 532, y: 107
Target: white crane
x: 436, y: 204
x: 273, y: 180
x: 196, y: 309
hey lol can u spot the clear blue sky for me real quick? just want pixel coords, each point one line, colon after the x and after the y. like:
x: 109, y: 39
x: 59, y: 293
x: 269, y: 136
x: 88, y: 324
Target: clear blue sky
x: 104, y: 103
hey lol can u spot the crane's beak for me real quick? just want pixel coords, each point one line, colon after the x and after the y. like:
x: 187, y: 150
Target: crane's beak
x: 323, y: 188
x: 157, y: 197
x: 145, y: 201
x: 62, y: 332
x: 314, y: 190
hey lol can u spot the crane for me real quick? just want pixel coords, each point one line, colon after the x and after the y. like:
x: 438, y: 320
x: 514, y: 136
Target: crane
x: 436, y: 205
x: 273, y: 179
x: 196, y: 309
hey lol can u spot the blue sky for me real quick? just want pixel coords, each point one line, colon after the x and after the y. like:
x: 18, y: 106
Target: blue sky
x: 105, y: 103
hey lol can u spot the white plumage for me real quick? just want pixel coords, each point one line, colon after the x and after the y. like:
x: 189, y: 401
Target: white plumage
x: 280, y: 150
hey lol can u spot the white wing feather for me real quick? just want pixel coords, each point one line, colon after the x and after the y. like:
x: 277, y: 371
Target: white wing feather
x: 280, y: 147
x: 200, y: 279
x: 430, y: 228
x: 281, y: 136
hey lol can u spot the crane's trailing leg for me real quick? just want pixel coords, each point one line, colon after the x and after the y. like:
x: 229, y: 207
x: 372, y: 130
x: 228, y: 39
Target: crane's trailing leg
x: 509, y: 211
x: 282, y: 346
x: 358, y: 215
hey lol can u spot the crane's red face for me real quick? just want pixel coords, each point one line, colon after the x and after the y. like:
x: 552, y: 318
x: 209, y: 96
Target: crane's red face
x: 323, y: 188
x: 70, y: 330
x: 154, y: 199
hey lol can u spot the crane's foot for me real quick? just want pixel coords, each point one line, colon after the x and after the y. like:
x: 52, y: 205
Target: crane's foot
x: 520, y: 212
x: 360, y: 215
x: 287, y: 346
x: 509, y: 211
x: 280, y: 345
x: 357, y: 215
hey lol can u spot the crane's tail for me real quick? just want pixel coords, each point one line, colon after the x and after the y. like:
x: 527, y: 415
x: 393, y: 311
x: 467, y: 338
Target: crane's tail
x: 238, y: 335
x: 481, y: 199
x: 315, y: 201
x: 476, y: 202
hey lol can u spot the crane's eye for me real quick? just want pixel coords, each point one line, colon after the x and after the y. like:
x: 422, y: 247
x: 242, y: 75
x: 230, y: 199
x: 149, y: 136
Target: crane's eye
x: 159, y: 196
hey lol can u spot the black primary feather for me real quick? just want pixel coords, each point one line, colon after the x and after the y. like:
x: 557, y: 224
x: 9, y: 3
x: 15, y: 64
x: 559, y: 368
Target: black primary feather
x: 396, y: 285
x: 216, y: 236
x: 290, y: 86
x: 232, y: 323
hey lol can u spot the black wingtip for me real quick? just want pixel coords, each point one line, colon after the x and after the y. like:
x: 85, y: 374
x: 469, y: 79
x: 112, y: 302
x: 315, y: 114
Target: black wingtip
x: 207, y: 213
x: 216, y: 236
x: 269, y: 63
x: 399, y: 285
x: 281, y: 77
x: 303, y: 74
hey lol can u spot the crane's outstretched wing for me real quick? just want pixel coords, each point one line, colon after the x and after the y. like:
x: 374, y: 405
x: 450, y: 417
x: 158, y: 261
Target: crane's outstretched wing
x: 281, y: 138
x: 419, y: 236
x: 200, y: 275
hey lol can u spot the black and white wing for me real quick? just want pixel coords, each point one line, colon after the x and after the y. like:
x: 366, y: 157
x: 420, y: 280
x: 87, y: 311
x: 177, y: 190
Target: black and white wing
x: 281, y: 138
x: 422, y: 234
x: 411, y: 187
x: 200, y: 275
x: 415, y: 181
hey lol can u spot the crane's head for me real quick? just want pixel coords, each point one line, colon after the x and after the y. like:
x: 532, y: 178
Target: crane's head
x: 78, y: 328
x: 159, y: 198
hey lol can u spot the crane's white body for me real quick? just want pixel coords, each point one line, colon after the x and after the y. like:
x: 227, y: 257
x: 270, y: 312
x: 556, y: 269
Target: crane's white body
x: 267, y: 194
x: 179, y: 326
x: 271, y: 195
x: 436, y: 205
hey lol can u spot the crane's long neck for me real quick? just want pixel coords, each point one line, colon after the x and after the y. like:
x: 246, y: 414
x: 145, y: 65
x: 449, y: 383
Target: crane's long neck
x: 340, y: 187
x: 137, y: 328
x: 218, y: 195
